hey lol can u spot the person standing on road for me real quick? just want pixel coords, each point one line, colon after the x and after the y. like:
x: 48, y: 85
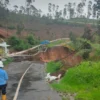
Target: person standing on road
x: 3, y: 81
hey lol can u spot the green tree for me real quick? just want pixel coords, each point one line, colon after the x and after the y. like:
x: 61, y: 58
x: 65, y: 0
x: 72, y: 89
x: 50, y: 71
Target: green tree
x: 98, y: 7
x: 65, y: 11
x: 16, y: 8
x: 89, y: 9
x: 80, y: 8
x: 50, y: 8
x: 94, y: 10
x: 6, y: 3
x: 13, y: 41
x: 32, y: 40
x: 53, y: 9
x: 87, y: 33
x: 22, y: 9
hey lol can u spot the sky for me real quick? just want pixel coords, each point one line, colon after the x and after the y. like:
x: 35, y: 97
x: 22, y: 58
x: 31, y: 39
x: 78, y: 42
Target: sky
x: 42, y: 4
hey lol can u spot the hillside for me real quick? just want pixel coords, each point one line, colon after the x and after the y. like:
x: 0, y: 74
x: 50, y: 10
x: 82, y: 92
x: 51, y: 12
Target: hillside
x: 50, y: 31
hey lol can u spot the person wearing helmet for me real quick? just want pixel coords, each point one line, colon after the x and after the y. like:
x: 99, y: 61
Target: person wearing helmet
x: 3, y: 81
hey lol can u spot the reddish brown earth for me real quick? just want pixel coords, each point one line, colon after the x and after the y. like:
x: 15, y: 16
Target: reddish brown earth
x: 49, y: 32
x: 59, y: 53
x: 5, y: 33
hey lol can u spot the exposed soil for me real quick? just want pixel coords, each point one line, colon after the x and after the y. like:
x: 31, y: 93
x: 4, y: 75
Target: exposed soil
x: 43, y: 31
x: 60, y: 53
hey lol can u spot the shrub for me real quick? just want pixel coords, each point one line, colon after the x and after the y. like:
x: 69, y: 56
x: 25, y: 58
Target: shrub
x: 32, y: 40
x: 18, y: 44
x: 21, y: 46
x: 83, y: 79
x: 13, y: 41
x: 53, y: 66
x: 8, y: 60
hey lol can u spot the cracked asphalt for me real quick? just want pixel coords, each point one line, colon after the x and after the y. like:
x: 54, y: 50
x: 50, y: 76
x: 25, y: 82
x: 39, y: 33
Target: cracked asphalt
x: 34, y: 86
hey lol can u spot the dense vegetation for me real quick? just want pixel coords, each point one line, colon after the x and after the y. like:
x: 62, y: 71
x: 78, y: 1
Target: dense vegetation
x: 53, y: 67
x: 83, y: 80
x: 19, y: 44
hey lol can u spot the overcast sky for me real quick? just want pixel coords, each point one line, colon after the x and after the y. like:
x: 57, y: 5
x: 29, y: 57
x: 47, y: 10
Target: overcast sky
x: 42, y: 4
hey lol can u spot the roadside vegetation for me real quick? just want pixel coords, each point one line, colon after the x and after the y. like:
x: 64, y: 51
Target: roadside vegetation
x: 58, y: 42
x: 83, y: 79
x: 7, y: 61
x: 53, y: 67
x: 18, y: 44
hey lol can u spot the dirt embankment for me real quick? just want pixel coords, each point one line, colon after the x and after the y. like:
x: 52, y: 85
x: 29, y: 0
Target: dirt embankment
x: 60, y: 53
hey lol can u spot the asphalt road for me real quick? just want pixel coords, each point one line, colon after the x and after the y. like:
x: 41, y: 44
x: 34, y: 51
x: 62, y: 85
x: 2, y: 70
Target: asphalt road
x: 33, y: 87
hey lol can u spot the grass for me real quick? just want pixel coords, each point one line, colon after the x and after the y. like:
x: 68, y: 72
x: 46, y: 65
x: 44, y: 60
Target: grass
x: 84, y: 20
x: 83, y: 79
x: 8, y: 60
x: 57, y: 42
x: 53, y: 67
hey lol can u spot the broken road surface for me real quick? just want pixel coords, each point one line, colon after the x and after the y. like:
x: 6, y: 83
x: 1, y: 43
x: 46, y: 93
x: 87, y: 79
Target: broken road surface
x: 33, y: 87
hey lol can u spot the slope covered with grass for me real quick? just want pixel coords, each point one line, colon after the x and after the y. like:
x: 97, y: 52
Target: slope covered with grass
x: 84, y: 80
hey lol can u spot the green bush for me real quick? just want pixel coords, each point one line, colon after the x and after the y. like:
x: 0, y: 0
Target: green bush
x: 32, y: 40
x: 18, y: 44
x: 83, y: 79
x: 13, y: 41
x: 21, y: 46
x: 53, y: 66
x: 8, y: 60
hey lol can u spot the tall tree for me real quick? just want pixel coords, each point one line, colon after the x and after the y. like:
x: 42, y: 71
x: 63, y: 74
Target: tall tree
x: 72, y: 12
x: 16, y: 8
x: 29, y: 2
x: 80, y: 8
x: 98, y: 8
x: 65, y: 10
x: 57, y: 8
x: 33, y: 10
x: 22, y: 9
x: 69, y: 9
x: 28, y: 5
x: 39, y: 12
x: 57, y: 13
x: 94, y: 10
x: 6, y: 3
x: 50, y: 8
x: 98, y: 15
x: 89, y: 9
x: 53, y: 8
